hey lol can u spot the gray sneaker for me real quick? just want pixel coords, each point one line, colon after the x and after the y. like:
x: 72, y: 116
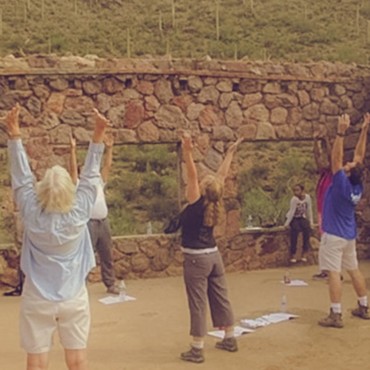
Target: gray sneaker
x: 228, y: 344
x: 361, y: 312
x: 113, y: 289
x: 334, y: 320
x: 193, y: 355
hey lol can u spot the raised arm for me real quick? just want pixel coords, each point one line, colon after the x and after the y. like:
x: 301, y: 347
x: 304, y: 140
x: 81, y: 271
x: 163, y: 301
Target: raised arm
x: 321, y: 156
x: 90, y: 174
x: 91, y: 167
x: 108, y: 140
x: 225, y: 165
x: 360, y: 149
x: 21, y: 174
x: 337, y: 151
x: 12, y: 123
x: 317, y: 153
x: 192, y: 191
x: 73, y: 171
x: 101, y: 124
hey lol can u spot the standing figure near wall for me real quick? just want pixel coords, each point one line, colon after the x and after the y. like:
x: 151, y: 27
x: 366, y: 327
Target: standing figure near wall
x: 338, y: 242
x: 299, y: 218
x: 99, y: 229
x: 57, y: 254
x: 204, y: 272
x: 322, y: 155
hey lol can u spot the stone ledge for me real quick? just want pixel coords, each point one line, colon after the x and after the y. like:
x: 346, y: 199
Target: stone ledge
x: 93, y: 65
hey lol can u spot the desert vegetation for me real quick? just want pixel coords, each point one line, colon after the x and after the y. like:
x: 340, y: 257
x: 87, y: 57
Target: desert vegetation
x: 295, y: 30
x: 267, y: 173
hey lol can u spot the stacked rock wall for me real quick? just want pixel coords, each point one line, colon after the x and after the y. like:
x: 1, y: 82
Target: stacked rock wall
x: 148, y: 101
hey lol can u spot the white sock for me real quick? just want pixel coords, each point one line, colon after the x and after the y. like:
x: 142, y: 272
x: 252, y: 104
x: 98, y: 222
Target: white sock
x: 229, y: 333
x: 336, y: 307
x: 198, y: 344
x: 363, y: 301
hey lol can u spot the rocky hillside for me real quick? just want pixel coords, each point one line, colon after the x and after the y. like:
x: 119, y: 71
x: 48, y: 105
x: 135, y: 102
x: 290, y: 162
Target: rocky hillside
x: 295, y: 30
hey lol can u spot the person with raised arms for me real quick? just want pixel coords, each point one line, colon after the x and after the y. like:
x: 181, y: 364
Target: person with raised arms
x: 57, y: 254
x: 204, y: 272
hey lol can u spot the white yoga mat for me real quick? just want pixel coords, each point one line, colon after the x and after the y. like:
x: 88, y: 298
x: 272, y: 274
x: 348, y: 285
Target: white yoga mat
x: 116, y: 299
x: 295, y: 283
x: 265, y: 320
x: 238, y: 331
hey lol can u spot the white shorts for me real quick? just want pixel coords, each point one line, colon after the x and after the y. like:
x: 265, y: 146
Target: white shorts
x: 336, y: 253
x: 40, y: 318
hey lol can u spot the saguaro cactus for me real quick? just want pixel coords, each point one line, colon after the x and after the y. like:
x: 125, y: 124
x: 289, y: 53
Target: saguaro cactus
x: 160, y: 23
x: 42, y: 9
x: 128, y: 43
x: 173, y: 8
x: 217, y: 20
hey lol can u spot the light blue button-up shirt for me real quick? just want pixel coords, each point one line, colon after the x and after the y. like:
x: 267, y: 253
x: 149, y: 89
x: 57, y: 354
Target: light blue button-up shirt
x: 57, y: 253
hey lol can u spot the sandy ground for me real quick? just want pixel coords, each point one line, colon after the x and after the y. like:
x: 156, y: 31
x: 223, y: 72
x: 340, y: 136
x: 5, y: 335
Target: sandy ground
x: 150, y: 332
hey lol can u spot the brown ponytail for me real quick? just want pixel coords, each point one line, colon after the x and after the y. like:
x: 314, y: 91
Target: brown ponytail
x: 212, y: 191
x: 213, y: 213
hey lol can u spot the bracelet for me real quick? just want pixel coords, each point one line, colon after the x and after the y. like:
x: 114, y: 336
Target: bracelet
x: 341, y: 134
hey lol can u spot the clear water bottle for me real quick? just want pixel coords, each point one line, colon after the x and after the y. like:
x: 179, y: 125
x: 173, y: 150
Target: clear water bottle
x: 283, y: 303
x: 249, y: 221
x: 122, y: 290
x: 149, y: 228
x: 286, y: 278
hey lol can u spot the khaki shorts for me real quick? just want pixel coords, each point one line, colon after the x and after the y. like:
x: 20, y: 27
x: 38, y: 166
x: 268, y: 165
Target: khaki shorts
x: 40, y: 318
x: 336, y: 253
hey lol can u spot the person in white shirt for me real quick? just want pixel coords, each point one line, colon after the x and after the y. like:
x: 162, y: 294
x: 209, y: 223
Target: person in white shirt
x: 100, y: 232
x: 299, y: 218
x: 57, y: 254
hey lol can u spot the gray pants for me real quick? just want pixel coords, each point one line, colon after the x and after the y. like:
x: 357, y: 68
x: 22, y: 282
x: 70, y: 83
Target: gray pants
x: 204, y: 276
x: 102, y: 242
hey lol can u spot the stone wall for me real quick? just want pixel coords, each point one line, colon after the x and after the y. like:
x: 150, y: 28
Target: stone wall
x: 147, y: 101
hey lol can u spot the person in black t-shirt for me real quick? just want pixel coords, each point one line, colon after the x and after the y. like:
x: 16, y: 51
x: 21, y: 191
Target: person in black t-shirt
x: 204, y: 272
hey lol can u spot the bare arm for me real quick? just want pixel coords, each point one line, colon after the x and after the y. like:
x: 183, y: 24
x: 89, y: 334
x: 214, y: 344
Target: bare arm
x: 73, y: 161
x: 101, y: 124
x: 337, y: 151
x: 225, y: 165
x: 21, y: 176
x: 360, y: 149
x: 12, y: 122
x: 321, y: 152
x: 192, y: 192
x: 328, y: 148
x: 108, y: 140
x: 317, y: 153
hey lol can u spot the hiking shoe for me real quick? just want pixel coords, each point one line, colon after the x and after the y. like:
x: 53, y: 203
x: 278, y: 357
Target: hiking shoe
x: 293, y: 260
x: 113, y: 289
x: 13, y: 293
x: 321, y: 275
x: 193, y: 355
x: 228, y: 344
x: 361, y: 312
x: 334, y: 320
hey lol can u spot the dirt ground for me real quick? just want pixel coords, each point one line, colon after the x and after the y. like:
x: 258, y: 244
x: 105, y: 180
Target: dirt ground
x: 149, y: 333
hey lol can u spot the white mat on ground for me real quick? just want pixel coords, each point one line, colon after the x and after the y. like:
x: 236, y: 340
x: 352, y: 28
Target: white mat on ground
x: 238, y: 331
x: 265, y: 320
x: 116, y: 299
x: 295, y: 282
